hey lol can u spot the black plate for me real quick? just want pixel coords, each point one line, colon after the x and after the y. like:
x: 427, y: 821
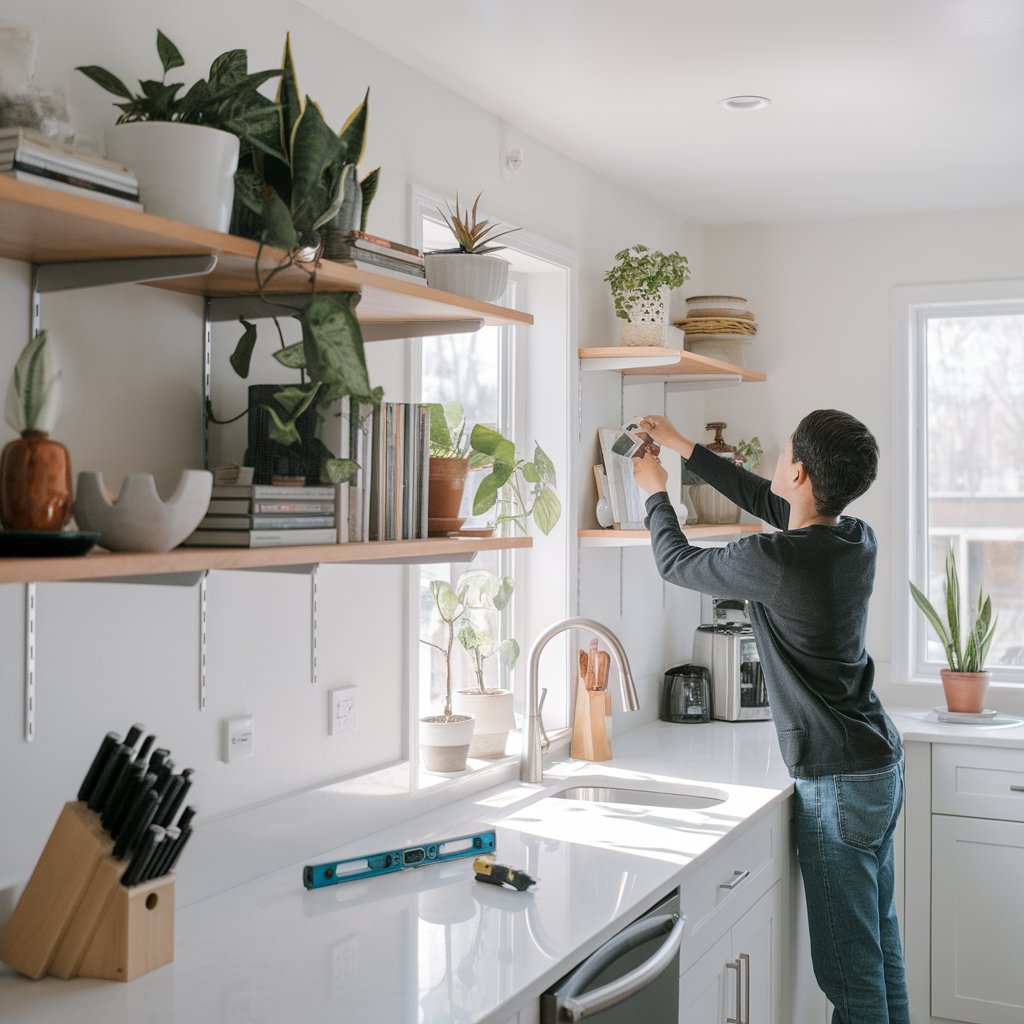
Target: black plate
x: 39, y: 543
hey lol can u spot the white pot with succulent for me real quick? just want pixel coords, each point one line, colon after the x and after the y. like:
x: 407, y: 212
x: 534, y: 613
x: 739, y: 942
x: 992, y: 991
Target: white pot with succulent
x: 469, y: 269
x: 485, y: 594
x: 640, y: 282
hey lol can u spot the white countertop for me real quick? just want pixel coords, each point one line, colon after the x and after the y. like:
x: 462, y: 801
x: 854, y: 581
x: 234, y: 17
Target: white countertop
x: 432, y: 944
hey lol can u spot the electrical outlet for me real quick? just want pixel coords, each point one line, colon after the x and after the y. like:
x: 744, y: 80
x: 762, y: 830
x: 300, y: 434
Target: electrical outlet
x: 237, y: 738
x: 341, y: 710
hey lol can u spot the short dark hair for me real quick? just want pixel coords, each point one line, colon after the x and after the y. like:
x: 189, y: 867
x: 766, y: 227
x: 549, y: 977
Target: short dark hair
x: 840, y: 455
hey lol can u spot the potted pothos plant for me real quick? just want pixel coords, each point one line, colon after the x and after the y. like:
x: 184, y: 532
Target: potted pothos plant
x: 35, y: 470
x: 470, y: 268
x: 640, y: 281
x: 965, y: 683
x: 483, y: 595
x: 184, y: 146
x: 286, y: 198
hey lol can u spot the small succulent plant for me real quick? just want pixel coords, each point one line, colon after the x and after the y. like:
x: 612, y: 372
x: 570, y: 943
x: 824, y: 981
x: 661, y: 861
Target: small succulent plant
x: 473, y: 236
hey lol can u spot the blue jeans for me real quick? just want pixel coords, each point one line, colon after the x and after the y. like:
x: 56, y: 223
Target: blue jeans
x: 844, y: 836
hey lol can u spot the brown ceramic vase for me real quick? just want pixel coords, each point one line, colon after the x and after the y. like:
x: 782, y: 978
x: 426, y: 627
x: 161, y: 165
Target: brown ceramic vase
x: 965, y: 691
x: 444, y: 493
x: 35, y: 483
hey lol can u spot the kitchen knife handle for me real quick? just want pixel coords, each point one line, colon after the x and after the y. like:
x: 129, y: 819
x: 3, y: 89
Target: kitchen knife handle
x: 137, y: 824
x: 178, y: 847
x: 186, y: 817
x: 147, y: 745
x: 167, y: 798
x: 110, y: 773
x: 167, y: 817
x: 133, y: 735
x: 158, y: 867
x: 133, y: 873
x: 107, y: 748
x: 121, y: 796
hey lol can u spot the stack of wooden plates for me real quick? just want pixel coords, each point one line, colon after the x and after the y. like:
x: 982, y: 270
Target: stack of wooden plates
x: 718, y: 326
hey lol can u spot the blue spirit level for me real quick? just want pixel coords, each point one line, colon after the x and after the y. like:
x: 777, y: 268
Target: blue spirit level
x: 315, y: 876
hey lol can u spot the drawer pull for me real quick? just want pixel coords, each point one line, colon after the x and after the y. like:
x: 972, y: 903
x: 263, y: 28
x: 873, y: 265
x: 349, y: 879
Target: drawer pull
x: 734, y: 965
x: 738, y: 877
x: 1017, y: 789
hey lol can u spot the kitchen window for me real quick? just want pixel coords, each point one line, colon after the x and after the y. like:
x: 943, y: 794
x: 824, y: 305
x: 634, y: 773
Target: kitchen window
x: 962, y: 369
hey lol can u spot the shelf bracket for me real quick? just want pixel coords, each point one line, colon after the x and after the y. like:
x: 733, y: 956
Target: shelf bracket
x: 313, y: 617
x: 691, y: 382
x: 225, y: 309
x: 59, y: 277
x: 30, y: 662
x: 165, y: 579
x: 202, y: 640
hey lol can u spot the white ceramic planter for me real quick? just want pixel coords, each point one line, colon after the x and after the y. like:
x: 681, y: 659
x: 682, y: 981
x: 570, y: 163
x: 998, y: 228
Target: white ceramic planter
x: 186, y: 171
x: 140, y: 520
x: 647, y: 323
x: 444, y: 746
x: 494, y: 711
x: 477, y: 277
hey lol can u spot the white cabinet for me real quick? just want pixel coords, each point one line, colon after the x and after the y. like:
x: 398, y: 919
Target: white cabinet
x: 965, y: 901
x: 739, y: 979
x: 977, y: 901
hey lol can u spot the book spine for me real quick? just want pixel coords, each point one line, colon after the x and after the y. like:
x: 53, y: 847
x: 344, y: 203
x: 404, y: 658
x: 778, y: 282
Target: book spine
x: 74, y: 190
x: 378, y: 264
x: 369, y: 250
x: 376, y: 531
x: 385, y: 243
x: 259, y: 538
x: 16, y: 140
x: 260, y: 492
x: 72, y: 172
x: 265, y: 522
x: 424, y: 471
x: 244, y: 507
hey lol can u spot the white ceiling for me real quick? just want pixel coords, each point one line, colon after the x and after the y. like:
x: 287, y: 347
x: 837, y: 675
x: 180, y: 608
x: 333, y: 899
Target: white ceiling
x: 879, y: 107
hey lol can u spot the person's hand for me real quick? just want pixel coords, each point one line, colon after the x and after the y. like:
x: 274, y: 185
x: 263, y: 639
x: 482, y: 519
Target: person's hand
x: 650, y: 475
x: 661, y: 430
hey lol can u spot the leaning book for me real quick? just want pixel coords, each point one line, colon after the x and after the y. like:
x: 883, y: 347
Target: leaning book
x: 259, y: 538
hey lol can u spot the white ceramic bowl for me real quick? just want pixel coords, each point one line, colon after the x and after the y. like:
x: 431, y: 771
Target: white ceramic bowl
x: 140, y: 520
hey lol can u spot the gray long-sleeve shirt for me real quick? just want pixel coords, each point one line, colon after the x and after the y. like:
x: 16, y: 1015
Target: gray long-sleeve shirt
x: 808, y: 591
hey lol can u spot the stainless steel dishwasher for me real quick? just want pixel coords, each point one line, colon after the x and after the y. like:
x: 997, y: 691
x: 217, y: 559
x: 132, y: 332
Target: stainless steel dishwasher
x: 633, y: 977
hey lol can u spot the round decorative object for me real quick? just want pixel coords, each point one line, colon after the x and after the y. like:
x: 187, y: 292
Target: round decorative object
x: 965, y: 691
x: 35, y: 483
x: 647, y: 323
x: 185, y: 171
x: 603, y: 511
x: 713, y: 507
x: 140, y: 520
x: 444, y: 742
x: 483, y: 278
x: 710, y: 301
x: 494, y: 711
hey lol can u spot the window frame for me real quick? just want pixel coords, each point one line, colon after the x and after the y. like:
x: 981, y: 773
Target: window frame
x: 913, y: 306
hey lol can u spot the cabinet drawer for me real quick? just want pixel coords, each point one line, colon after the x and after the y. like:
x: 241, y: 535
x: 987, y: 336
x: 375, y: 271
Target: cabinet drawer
x: 978, y: 782
x: 719, y: 892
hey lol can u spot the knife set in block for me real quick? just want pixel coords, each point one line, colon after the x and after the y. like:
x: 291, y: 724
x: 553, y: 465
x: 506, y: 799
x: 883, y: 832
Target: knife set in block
x: 591, y: 724
x: 76, y: 919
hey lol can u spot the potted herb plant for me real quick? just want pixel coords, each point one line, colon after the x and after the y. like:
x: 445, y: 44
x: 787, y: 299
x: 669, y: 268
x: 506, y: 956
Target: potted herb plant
x: 518, y: 488
x: 35, y: 470
x: 485, y: 594
x: 640, y: 281
x: 469, y: 269
x: 965, y: 683
x: 184, y: 147
x: 445, y: 738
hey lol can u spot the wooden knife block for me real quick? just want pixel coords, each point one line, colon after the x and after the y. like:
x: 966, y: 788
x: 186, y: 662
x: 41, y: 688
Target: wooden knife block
x: 590, y: 740
x: 75, y: 919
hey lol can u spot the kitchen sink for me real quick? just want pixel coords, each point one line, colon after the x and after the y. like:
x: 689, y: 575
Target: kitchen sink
x: 688, y: 799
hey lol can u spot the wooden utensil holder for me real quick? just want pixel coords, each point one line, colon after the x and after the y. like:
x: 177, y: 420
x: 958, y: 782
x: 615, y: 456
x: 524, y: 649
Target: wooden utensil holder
x: 75, y: 919
x: 590, y: 740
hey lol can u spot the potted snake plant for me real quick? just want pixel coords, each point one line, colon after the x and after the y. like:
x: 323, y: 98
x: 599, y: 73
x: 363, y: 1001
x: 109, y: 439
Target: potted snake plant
x: 965, y: 683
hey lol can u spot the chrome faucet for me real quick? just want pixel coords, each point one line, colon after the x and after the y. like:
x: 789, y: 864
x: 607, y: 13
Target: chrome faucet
x: 531, y: 764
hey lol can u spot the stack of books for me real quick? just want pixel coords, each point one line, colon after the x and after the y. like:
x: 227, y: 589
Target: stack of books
x: 387, y: 498
x: 267, y: 516
x: 28, y: 156
x: 381, y: 256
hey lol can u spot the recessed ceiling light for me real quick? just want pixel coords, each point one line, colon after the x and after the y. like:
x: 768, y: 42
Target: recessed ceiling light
x: 745, y: 102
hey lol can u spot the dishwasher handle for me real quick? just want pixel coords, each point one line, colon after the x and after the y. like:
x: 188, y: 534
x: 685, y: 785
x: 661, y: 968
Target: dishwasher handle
x: 570, y: 1007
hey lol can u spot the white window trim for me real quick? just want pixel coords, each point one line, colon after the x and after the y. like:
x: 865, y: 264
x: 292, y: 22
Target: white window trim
x: 910, y: 305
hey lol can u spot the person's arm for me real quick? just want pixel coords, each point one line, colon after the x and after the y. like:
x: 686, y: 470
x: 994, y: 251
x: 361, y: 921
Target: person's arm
x: 751, y: 492
x: 747, y: 568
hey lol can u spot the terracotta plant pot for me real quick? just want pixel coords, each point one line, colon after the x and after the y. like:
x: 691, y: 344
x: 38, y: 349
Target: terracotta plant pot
x: 445, y: 487
x: 35, y: 483
x: 965, y: 691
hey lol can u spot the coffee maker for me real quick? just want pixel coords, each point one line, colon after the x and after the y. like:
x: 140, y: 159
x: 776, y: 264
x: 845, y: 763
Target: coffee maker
x: 726, y: 646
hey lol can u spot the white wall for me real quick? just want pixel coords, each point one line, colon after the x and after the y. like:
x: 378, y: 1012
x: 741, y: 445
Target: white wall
x: 823, y: 297
x: 110, y: 655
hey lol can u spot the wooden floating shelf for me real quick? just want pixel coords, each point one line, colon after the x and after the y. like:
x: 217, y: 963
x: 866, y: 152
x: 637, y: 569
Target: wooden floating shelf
x: 103, y: 565
x: 636, y: 538
x: 665, y: 364
x: 41, y: 225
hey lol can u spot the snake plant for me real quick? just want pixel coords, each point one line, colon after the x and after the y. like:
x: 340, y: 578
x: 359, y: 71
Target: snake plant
x: 34, y: 393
